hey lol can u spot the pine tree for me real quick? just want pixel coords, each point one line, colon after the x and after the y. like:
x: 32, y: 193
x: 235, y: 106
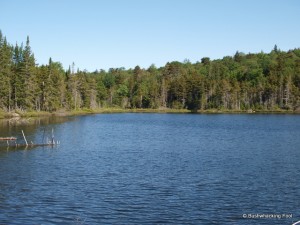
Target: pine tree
x: 5, y: 74
x: 27, y: 71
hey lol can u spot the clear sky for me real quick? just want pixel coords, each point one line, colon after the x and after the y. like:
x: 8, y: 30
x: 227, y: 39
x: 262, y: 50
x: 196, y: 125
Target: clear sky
x: 100, y: 34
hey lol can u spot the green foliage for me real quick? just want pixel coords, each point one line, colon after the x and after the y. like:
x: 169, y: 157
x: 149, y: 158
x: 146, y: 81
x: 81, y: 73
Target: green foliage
x: 262, y: 81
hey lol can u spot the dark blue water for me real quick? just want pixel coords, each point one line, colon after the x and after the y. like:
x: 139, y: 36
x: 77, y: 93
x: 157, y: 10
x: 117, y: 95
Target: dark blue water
x: 155, y: 169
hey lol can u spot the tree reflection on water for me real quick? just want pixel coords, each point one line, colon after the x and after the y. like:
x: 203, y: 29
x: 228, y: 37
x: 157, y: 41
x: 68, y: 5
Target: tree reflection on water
x: 36, y: 129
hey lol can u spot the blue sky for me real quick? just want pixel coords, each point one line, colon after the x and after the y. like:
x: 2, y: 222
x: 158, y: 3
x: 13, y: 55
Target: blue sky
x: 100, y: 34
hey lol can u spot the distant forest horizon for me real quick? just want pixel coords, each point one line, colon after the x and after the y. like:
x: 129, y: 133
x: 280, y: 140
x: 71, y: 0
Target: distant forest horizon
x: 256, y: 81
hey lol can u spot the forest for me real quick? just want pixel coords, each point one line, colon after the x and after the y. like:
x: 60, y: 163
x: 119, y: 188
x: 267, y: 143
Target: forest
x: 260, y: 81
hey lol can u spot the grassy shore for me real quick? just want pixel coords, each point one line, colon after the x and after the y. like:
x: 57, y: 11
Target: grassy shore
x: 27, y: 114
x: 118, y: 110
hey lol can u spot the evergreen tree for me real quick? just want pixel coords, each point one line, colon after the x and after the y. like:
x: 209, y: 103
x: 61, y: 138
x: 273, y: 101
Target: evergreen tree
x: 26, y: 74
x: 5, y: 74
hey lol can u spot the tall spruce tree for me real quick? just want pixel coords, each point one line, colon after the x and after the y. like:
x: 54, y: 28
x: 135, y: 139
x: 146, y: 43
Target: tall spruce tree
x: 27, y: 71
x: 5, y: 74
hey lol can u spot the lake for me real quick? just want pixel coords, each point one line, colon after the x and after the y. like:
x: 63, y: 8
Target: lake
x: 153, y: 169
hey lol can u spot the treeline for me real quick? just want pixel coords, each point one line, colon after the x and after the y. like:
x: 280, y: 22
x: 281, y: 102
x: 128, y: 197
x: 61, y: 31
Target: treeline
x: 244, y: 81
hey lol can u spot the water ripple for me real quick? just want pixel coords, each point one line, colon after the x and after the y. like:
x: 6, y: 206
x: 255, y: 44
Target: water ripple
x: 155, y: 169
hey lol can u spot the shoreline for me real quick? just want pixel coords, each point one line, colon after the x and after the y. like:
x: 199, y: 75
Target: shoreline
x: 7, y: 115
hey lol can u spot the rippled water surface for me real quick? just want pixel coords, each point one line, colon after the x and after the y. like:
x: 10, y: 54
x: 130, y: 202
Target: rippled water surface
x: 153, y: 169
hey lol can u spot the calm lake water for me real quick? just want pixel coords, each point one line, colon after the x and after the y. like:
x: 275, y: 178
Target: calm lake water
x: 153, y: 169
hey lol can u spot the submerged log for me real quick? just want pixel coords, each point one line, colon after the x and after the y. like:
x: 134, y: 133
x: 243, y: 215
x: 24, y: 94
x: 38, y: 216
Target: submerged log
x: 16, y: 146
x: 29, y: 144
x: 33, y: 145
x: 7, y: 138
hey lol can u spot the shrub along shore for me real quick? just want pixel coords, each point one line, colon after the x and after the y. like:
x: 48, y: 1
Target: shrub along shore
x: 7, y: 115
